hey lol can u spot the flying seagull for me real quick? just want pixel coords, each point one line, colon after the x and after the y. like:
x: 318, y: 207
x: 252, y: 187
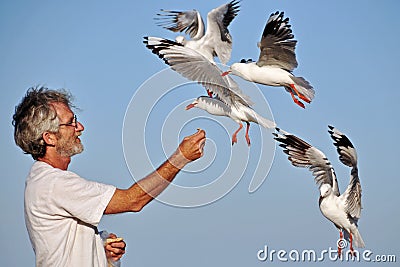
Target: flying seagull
x: 227, y: 98
x: 195, y: 67
x: 342, y: 210
x: 276, y: 62
x: 213, y: 41
x: 240, y: 112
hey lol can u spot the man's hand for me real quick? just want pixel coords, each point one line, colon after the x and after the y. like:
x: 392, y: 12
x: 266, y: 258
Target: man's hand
x: 114, y: 249
x: 192, y: 146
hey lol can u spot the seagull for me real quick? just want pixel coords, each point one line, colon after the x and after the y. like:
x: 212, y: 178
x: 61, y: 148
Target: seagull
x: 194, y: 66
x: 227, y: 98
x: 342, y: 210
x: 276, y: 62
x: 239, y: 113
x: 215, y: 40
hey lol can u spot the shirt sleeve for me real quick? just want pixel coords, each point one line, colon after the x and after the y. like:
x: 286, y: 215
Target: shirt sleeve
x: 79, y: 198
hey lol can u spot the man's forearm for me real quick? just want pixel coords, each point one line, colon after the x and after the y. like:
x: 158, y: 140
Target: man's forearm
x: 145, y: 190
x: 156, y: 182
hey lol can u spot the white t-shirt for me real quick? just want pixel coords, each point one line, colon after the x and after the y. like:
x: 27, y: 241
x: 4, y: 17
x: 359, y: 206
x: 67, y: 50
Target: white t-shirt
x: 62, y: 211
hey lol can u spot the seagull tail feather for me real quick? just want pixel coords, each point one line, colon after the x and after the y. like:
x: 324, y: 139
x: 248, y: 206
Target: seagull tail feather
x: 265, y: 122
x: 357, y: 239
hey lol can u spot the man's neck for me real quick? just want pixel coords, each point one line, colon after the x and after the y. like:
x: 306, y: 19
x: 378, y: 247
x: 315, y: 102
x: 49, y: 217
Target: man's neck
x: 57, y: 161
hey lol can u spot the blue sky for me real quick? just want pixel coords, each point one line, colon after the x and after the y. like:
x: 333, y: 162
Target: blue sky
x: 348, y: 50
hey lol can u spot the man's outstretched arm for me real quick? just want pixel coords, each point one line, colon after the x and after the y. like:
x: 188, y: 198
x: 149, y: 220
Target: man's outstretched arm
x: 141, y: 193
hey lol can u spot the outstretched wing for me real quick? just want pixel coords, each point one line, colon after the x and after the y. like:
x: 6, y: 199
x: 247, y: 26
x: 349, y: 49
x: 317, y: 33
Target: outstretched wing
x: 194, y: 66
x: 277, y: 44
x: 189, y: 22
x: 348, y: 156
x: 302, y: 154
x: 217, y: 31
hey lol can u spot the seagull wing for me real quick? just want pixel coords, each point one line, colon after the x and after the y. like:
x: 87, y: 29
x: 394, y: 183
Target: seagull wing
x: 189, y: 22
x: 302, y: 154
x: 277, y: 44
x: 194, y: 66
x: 237, y: 94
x: 217, y: 33
x: 348, y: 156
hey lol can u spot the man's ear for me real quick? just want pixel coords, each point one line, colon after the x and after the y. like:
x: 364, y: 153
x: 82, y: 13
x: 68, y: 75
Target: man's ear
x: 49, y: 138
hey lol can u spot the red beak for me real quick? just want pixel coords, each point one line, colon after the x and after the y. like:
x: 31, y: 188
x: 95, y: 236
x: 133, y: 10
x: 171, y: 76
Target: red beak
x: 190, y: 106
x: 225, y: 73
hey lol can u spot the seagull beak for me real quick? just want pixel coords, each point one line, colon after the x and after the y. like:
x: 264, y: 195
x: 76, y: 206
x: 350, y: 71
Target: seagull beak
x: 190, y: 106
x: 225, y: 73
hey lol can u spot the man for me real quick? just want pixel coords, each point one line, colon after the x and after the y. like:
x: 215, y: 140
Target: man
x: 62, y: 210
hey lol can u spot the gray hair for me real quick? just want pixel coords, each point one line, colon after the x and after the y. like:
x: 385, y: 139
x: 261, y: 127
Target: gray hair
x: 34, y: 116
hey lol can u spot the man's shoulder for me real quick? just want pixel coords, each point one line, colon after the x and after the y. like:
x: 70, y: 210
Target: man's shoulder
x: 41, y: 172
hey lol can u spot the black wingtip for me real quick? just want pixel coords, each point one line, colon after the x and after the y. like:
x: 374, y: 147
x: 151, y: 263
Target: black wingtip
x: 234, y: 2
x: 330, y: 131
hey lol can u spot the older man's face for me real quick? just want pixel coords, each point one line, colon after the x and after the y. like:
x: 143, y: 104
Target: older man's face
x: 68, y: 142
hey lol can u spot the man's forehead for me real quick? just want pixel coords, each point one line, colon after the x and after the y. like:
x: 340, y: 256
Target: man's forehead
x: 61, y: 108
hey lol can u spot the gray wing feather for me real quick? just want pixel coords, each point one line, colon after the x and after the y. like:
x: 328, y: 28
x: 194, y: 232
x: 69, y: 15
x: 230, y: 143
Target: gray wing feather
x: 223, y: 16
x: 348, y: 156
x: 217, y: 104
x: 218, y: 21
x: 302, y: 154
x: 189, y: 22
x: 277, y: 46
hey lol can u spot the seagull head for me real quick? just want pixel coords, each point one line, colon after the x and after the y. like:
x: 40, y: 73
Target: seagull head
x: 238, y: 68
x: 325, y: 190
x: 202, y: 102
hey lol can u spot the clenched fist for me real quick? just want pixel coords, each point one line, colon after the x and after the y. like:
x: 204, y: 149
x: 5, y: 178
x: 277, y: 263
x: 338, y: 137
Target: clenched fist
x: 192, y: 146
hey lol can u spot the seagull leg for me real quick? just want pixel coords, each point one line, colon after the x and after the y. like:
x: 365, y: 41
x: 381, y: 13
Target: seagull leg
x: 247, y: 133
x: 339, y: 249
x: 302, y: 97
x: 296, y: 100
x: 234, y: 136
x: 351, y: 245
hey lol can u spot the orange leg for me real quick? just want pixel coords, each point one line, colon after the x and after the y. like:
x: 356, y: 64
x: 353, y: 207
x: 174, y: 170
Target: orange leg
x: 234, y: 136
x: 339, y: 247
x: 302, y: 97
x: 296, y: 100
x: 351, y: 245
x: 247, y: 133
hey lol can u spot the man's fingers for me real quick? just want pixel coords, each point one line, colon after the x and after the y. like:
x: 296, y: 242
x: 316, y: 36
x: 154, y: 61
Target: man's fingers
x: 199, y: 134
x: 111, y: 240
x: 201, y: 146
